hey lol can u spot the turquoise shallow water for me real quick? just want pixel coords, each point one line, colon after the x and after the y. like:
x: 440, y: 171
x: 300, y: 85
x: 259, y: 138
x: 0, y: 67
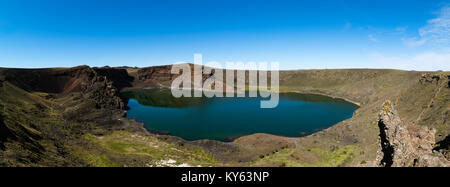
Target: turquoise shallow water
x: 225, y: 118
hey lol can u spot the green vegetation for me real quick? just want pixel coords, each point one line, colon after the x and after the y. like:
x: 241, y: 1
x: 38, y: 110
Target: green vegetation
x: 95, y: 159
x: 336, y: 157
x: 292, y: 157
x: 27, y: 118
x: 126, y: 143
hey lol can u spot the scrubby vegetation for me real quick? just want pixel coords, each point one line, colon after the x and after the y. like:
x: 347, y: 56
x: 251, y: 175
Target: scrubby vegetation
x: 151, y: 148
x: 309, y: 158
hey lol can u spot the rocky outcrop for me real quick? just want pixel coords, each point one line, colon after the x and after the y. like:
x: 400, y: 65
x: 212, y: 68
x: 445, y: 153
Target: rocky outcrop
x: 157, y: 76
x: 448, y: 81
x: 429, y: 78
x: 102, y: 91
x: 160, y: 73
x: 95, y: 84
x: 444, y: 147
x: 403, y: 145
x: 119, y: 76
x: 161, y: 76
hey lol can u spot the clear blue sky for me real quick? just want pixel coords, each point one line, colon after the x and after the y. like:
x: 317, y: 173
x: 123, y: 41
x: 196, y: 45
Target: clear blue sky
x: 400, y: 34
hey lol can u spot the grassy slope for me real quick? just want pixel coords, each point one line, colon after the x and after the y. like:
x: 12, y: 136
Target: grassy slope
x: 28, y: 116
x: 43, y: 136
x: 124, y: 148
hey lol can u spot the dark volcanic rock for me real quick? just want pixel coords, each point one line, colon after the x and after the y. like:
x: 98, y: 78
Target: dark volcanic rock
x: 161, y: 73
x: 158, y: 76
x: 96, y: 83
x: 102, y: 91
x: 429, y: 78
x: 5, y: 133
x: 161, y: 76
x: 444, y: 146
x: 118, y: 76
x: 404, y: 145
x: 448, y: 81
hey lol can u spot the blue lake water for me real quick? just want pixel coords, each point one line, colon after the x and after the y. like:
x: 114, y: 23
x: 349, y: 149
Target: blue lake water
x: 226, y: 118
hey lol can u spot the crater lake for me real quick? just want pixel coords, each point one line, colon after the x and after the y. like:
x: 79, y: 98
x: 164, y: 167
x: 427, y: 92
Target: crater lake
x: 222, y: 118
